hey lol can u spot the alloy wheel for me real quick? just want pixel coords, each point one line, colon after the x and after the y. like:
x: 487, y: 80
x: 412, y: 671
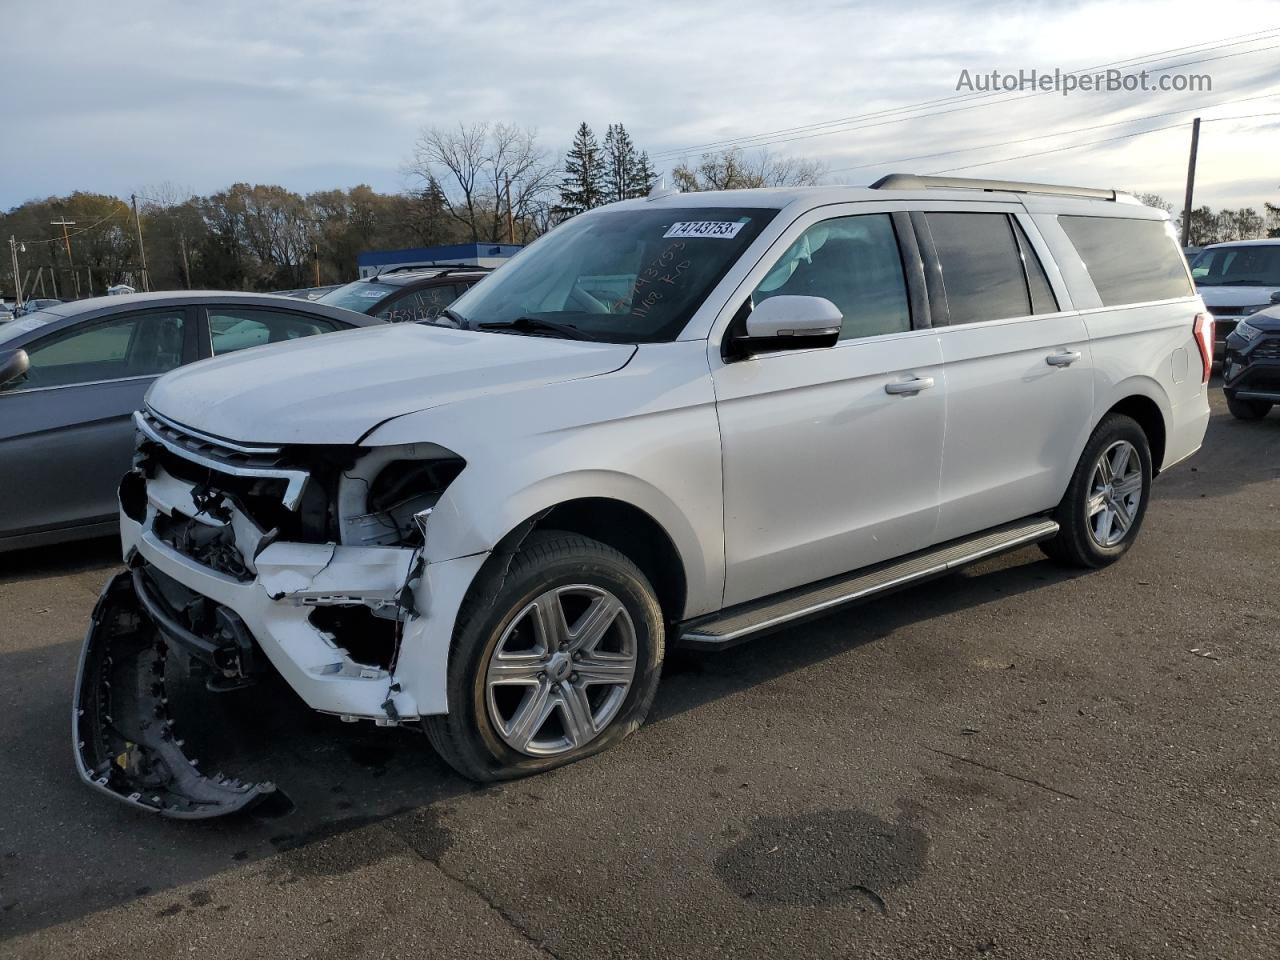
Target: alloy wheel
x: 1115, y: 494
x: 561, y: 670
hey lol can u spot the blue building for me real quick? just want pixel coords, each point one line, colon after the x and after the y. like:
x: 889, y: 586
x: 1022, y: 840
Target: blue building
x: 469, y: 254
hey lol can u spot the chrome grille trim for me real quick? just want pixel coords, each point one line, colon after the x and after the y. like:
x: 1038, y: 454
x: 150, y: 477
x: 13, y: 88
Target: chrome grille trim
x: 220, y: 456
x: 208, y: 438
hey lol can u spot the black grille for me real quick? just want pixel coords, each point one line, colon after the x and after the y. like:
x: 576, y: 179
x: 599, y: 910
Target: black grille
x: 1268, y: 349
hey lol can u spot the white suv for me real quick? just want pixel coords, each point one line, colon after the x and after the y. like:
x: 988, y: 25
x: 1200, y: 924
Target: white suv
x: 683, y: 420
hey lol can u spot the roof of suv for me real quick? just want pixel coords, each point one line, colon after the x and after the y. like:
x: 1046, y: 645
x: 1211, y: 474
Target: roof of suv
x: 905, y: 187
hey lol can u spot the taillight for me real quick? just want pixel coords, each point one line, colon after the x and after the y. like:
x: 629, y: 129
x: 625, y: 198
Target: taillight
x: 1204, y: 340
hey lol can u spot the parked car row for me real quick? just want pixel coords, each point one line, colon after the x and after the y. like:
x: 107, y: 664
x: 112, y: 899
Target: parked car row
x: 680, y: 420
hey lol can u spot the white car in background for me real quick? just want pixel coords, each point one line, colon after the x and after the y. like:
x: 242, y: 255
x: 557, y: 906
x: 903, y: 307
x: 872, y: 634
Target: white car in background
x: 1237, y: 280
x: 492, y: 526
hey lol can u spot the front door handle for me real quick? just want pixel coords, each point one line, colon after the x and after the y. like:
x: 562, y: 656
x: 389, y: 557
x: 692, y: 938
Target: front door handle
x: 1064, y: 358
x: 909, y: 387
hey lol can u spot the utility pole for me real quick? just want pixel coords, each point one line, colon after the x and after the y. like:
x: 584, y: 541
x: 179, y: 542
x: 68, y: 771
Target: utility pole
x: 186, y: 264
x: 14, y: 249
x: 511, y: 223
x: 142, y: 251
x: 63, y: 222
x: 1191, y: 183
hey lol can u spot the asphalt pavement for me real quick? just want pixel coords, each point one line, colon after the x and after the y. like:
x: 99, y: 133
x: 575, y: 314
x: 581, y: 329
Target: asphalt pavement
x: 1015, y: 761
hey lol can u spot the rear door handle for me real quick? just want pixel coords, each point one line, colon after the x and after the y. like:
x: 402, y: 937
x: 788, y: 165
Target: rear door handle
x: 909, y: 387
x: 1063, y: 359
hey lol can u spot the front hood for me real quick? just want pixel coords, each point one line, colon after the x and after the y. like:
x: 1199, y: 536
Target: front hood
x: 336, y: 387
x: 1235, y: 296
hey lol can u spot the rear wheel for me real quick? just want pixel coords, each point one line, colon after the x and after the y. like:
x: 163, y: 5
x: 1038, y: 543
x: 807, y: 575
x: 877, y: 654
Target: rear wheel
x: 557, y: 660
x: 1248, y: 409
x: 1102, y: 511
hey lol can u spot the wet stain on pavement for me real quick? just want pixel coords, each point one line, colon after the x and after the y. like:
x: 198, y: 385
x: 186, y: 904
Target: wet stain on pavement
x: 825, y: 858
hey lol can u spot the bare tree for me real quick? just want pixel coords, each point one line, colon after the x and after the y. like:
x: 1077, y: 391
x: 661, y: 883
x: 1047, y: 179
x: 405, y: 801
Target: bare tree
x: 1154, y: 200
x: 736, y: 170
x: 484, y: 173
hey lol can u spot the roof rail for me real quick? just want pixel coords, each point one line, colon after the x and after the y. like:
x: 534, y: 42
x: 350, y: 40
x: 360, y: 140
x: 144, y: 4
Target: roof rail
x: 909, y: 181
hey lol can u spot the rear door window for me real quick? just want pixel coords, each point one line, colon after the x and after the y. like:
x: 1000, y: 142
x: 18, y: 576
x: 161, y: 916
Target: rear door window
x: 236, y: 328
x: 982, y: 266
x: 1129, y: 261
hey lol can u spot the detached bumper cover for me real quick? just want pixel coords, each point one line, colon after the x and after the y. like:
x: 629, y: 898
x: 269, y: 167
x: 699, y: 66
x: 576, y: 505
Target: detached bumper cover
x: 124, y: 740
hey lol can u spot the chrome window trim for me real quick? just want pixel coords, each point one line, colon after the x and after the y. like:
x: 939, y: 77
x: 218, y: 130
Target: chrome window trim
x: 83, y: 383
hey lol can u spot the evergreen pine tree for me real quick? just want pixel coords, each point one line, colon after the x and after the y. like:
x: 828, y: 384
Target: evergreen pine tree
x: 583, y: 187
x: 620, y: 162
x: 643, y: 176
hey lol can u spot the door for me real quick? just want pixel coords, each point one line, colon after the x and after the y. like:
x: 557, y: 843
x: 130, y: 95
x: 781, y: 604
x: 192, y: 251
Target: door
x: 831, y: 456
x: 232, y: 328
x: 66, y: 426
x: 1018, y: 367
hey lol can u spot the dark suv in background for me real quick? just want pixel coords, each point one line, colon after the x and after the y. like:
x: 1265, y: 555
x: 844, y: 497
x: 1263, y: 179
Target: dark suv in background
x: 406, y: 294
x: 1251, y: 367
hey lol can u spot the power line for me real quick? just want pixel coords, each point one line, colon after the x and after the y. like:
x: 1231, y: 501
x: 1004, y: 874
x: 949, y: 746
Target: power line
x: 1222, y: 43
x: 76, y: 233
x: 855, y: 122
x: 1047, y: 136
x: 1091, y: 143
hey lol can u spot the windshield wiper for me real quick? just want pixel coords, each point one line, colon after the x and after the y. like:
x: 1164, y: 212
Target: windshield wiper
x: 537, y: 325
x: 453, y: 315
x: 1239, y: 283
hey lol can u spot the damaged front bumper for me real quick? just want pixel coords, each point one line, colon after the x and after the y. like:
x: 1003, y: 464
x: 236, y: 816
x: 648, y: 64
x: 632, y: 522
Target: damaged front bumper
x: 124, y: 738
x: 206, y: 583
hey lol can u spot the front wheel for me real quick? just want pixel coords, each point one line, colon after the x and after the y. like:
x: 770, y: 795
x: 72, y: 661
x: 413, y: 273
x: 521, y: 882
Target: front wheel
x: 1248, y: 409
x: 557, y: 660
x: 1102, y: 511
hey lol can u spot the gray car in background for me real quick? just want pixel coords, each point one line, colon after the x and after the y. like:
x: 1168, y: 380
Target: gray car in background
x: 72, y: 375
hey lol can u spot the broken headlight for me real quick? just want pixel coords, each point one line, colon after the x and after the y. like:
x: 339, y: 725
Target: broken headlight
x: 385, y: 496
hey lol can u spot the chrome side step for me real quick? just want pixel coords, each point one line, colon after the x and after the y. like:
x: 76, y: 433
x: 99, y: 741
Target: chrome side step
x: 738, y: 623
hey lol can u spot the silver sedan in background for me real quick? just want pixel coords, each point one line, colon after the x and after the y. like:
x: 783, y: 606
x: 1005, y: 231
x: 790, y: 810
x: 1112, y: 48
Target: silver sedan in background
x: 72, y: 375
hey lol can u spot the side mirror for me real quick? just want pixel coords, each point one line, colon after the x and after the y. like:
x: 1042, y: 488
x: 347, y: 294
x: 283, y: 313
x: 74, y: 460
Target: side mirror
x: 791, y: 323
x: 13, y: 364
x: 1275, y: 297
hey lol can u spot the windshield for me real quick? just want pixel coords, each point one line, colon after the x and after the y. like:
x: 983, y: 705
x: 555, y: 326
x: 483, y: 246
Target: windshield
x: 359, y: 295
x: 1254, y: 266
x: 625, y: 276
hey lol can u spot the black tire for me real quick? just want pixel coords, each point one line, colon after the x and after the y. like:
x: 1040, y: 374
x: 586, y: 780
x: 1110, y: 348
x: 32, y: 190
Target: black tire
x: 1076, y: 544
x: 1248, y: 409
x: 467, y: 737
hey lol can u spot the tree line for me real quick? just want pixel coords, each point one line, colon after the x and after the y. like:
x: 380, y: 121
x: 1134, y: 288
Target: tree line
x: 478, y: 182
x: 1222, y: 226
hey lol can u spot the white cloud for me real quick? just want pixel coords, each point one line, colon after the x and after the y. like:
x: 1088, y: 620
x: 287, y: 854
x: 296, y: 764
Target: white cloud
x: 329, y: 94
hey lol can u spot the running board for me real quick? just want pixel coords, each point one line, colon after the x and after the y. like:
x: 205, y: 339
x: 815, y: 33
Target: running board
x: 738, y: 623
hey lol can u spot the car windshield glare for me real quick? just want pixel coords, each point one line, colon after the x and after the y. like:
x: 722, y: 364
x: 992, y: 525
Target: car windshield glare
x: 634, y: 275
x: 359, y: 295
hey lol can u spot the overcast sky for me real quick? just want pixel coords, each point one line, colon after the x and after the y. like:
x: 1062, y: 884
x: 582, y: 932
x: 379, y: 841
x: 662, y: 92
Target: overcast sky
x: 123, y: 96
